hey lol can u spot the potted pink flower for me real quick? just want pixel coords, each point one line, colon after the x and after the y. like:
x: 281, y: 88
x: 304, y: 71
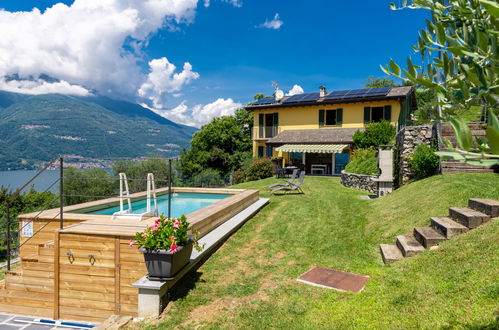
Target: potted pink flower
x: 166, y: 246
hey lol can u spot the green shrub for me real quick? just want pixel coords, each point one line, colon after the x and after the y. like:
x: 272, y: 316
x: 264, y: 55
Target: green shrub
x: 423, y: 161
x: 208, y: 178
x: 239, y: 176
x: 375, y: 134
x: 260, y: 169
x: 364, y: 161
x: 93, y: 182
x: 363, y: 154
x: 367, y: 166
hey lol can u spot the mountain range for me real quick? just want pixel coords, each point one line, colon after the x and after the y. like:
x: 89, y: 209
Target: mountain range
x: 37, y: 128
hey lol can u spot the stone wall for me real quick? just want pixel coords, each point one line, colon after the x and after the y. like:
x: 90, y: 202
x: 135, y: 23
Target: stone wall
x: 359, y: 182
x: 408, y: 138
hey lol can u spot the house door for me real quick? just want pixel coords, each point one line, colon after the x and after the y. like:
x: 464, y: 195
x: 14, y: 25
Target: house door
x: 340, y: 161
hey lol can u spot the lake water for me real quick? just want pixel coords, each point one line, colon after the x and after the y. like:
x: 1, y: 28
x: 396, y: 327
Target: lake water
x: 16, y: 179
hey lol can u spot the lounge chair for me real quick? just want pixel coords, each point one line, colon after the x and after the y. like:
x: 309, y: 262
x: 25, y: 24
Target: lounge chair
x: 287, y: 183
x: 292, y: 187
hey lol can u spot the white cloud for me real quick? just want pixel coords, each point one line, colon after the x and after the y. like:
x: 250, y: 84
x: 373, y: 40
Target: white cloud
x: 163, y: 79
x: 199, y: 114
x: 89, y: 45
x: 235, y: 3
x: 39, y: 86
x: 295, y: 90
x: 275, y: 24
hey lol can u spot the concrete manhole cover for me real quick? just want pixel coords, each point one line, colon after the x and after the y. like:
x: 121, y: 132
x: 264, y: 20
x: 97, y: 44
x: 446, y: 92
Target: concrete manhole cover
x: 334, y: 279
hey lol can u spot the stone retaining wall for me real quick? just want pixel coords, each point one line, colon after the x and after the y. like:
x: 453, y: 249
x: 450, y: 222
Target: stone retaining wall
x: 408, y: 138
x: 359, y: 182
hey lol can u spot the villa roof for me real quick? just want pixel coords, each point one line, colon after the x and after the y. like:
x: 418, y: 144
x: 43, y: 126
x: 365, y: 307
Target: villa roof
x: 335, y: 97
x: 315, y: 136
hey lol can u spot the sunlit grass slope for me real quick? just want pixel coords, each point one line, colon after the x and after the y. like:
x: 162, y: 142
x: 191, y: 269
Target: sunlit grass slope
x: 250, y: 281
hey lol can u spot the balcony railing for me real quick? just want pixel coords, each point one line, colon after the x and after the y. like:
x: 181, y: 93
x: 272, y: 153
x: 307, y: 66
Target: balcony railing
x: 264, y: 132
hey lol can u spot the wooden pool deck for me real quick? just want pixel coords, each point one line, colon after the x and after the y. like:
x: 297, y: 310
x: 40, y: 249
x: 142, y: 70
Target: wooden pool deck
x: 85, y: 271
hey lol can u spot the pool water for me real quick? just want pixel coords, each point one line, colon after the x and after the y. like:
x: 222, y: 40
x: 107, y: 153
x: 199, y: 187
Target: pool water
x: 181, y: 203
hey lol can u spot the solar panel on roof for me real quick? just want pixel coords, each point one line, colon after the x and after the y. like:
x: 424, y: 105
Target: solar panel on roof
x: 292, y: 99
x: 309, y: 97
x: 267, y: 100
x: 358, y: 91
x: 335, y: 95
x: 378, y: 91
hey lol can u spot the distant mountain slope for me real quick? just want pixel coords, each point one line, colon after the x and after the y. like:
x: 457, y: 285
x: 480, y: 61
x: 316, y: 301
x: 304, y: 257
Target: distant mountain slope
x: 38, y: 128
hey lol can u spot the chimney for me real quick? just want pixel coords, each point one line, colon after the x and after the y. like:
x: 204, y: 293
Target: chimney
x: 322, y: 92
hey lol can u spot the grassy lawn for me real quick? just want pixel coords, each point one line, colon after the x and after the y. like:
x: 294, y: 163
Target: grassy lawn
x: 250, y: 281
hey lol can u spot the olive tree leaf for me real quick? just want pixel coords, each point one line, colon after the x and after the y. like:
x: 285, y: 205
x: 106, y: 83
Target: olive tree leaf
x: 450, y: 154
x: 482, y: 162
x: 493, y: 120
x: 386, y: 70
x: 491, y: 6
x: 395, y: 68
x: 462, y: 132
x: 492, y: 135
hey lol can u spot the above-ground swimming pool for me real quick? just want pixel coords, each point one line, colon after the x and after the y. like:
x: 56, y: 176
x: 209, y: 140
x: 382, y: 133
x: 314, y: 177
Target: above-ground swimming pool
x: 181, y: 203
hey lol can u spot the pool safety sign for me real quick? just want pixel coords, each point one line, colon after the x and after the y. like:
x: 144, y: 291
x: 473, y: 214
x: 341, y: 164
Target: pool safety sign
x: 27, y: 228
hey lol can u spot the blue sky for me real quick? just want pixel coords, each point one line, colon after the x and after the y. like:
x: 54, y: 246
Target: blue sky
x: 333, y: 43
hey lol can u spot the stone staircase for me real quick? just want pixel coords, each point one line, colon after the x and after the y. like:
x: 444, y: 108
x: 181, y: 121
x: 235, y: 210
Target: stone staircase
x: 450, y: 166
x: 29, y: 289
x: 460, y: 220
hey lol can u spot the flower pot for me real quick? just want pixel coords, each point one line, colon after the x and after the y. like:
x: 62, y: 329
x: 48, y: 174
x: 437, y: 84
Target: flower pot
x: 163, y: 264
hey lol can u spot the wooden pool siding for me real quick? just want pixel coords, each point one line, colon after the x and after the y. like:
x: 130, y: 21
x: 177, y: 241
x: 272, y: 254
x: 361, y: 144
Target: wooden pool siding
x: 85, y: 271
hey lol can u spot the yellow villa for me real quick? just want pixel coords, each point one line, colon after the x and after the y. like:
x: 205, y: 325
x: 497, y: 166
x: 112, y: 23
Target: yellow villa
x: 313, y: 131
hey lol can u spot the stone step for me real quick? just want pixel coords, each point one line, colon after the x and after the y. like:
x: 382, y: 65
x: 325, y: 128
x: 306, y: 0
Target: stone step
x: 447, y: 227
x: 487, y: 206
x: 452, y: 170
x: 428, y: 236
x: 472, y: 126
x: 468, y: 217
x: 456, y: 164
x: 390, y: 253
x: 408, y: 245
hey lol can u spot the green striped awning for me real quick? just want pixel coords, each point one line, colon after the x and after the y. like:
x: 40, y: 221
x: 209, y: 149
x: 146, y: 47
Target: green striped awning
x: 315, y: 148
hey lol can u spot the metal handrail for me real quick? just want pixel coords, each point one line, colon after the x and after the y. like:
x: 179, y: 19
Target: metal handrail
x: 268, y: 132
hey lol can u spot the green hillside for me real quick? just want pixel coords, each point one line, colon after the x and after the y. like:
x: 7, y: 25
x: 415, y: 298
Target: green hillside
x: 38, y: 128
x: 250, y: 282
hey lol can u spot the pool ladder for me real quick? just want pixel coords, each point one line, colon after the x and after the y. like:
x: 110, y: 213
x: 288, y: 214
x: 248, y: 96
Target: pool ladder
x: 125, y: 193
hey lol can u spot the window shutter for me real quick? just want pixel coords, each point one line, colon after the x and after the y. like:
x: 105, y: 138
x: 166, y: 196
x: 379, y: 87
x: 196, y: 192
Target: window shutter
x: 388, y: 113
x: 339, y: 116
x: 269, y: 151
x: 321, y: 118
x: 261, y: 120
x: 367, y: 115
x: 276, y: 122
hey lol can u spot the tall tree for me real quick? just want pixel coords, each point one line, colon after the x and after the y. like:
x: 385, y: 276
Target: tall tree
x: 224, y: 145
x: 373, y: 82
